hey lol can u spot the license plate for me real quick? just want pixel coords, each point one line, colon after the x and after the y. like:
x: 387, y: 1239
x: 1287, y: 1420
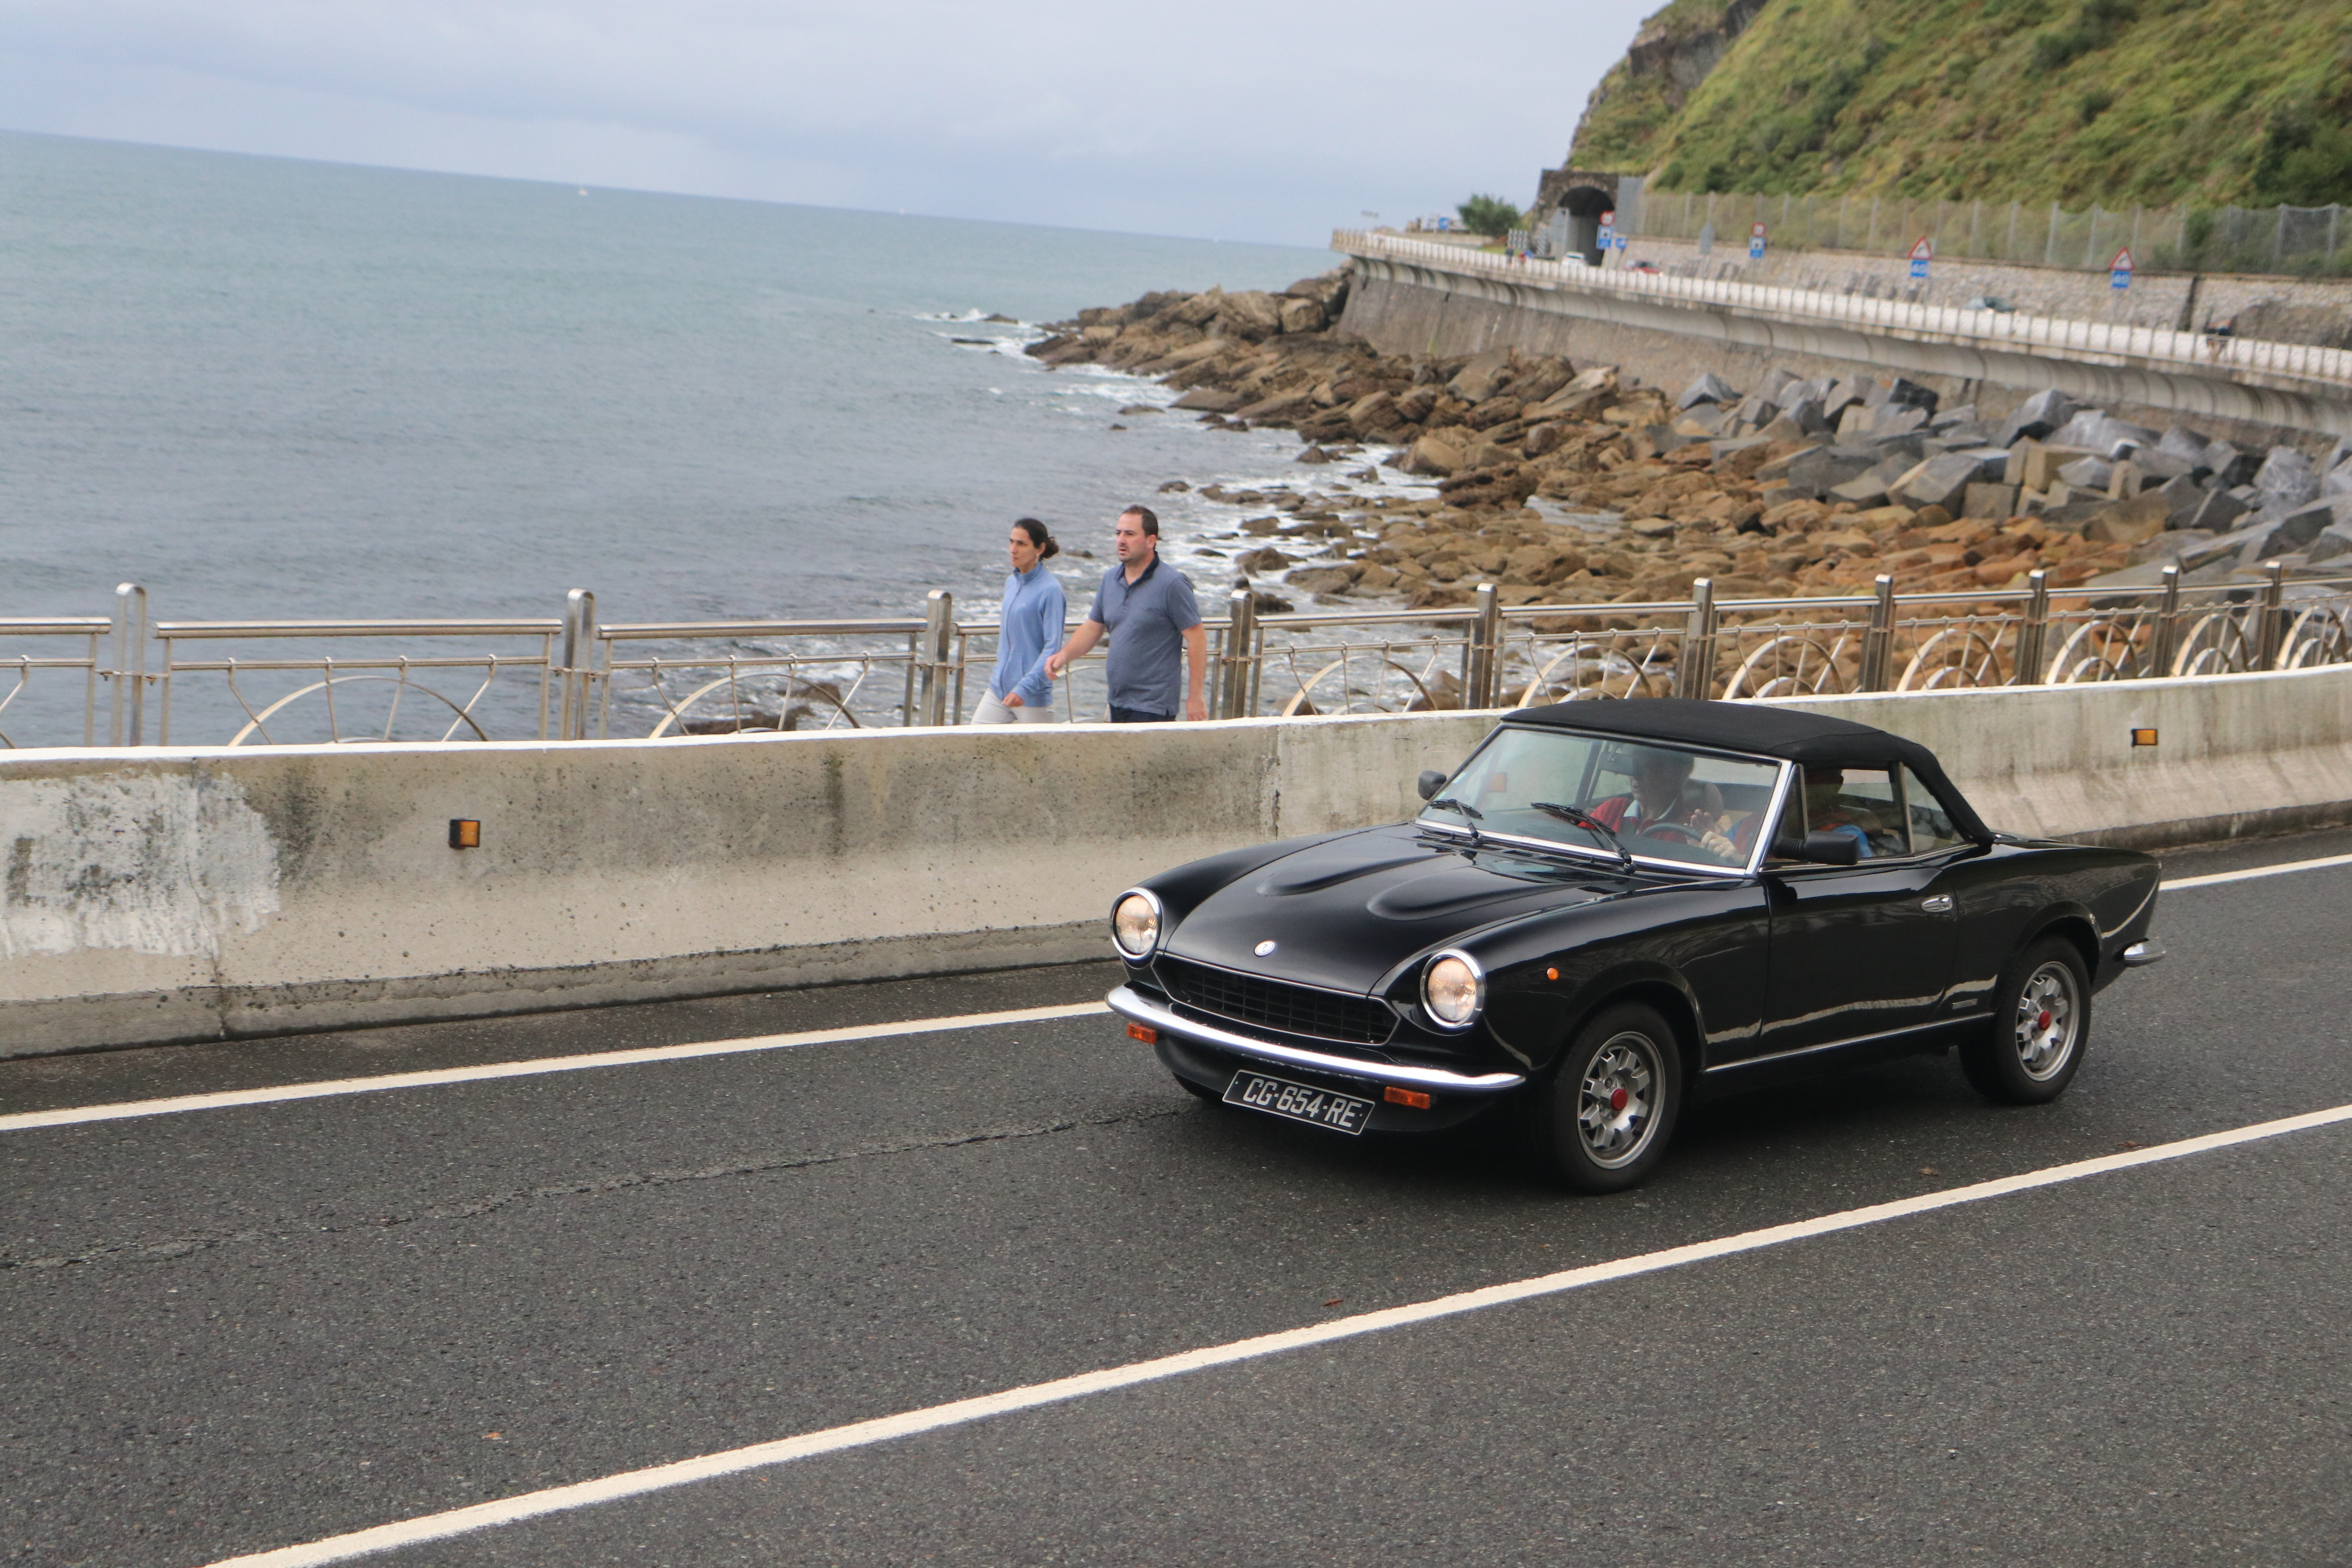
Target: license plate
x: 1320, y: 1107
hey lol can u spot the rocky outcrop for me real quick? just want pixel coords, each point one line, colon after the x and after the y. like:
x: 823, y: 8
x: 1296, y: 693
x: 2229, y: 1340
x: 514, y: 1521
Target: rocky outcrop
x: 1568, y: 486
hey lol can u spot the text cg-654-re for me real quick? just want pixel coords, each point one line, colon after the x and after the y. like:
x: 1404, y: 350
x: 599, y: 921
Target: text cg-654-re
x: 1610, y: 908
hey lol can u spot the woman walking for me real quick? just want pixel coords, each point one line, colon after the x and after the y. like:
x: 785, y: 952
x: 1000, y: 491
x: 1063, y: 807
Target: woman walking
x: 1021, y: 691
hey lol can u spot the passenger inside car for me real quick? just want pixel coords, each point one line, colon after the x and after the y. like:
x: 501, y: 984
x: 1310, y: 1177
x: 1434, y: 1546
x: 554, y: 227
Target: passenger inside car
x: 1664, y: 802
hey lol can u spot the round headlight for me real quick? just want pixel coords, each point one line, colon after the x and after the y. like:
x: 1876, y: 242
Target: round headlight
x: 1135, y: 924
x: 1453, y: 988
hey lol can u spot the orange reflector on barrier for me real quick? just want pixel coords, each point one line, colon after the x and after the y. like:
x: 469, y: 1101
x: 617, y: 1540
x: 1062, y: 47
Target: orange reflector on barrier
x: 2143, y: 737
x: 1411, y: 1096
x: 1144, y: 1032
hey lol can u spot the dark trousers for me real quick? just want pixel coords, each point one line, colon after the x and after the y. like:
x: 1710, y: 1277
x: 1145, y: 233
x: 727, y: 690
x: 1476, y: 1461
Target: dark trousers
x: 1138, y: 716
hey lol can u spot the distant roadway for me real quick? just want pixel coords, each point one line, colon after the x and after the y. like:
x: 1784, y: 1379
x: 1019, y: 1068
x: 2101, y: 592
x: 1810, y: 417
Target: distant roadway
x: 232, y: 1328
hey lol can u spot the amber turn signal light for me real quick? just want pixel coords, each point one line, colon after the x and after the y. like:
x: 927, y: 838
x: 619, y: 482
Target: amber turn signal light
x: 1411, y: 1096
x: 2143, y: 737
x: 465, y: 833
x: 1144, y: 1032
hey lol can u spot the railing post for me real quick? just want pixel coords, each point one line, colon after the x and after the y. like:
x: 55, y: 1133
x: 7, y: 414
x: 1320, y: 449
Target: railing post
x: 1233, y: 671
x: 1694, y: 669
x: 126, y: 720
x: 578, y: 643
x: 1483, y: 674
x: 1878, y: 641
x: 2168, y: 625
x: 933, y: 658
x: 2028, y: 671
x: 2274, y: 629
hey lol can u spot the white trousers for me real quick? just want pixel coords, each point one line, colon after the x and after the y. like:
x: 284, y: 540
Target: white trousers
x: 991, y: 711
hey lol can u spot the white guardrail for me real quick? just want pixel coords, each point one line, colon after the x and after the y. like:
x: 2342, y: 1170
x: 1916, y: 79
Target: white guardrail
x: 2045, y: 336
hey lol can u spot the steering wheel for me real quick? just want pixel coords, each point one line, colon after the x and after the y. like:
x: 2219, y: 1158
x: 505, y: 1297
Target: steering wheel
x: 1669, y: 832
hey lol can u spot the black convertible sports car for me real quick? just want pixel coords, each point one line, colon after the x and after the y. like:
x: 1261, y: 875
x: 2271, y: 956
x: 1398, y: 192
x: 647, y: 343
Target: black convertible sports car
x: 1614, y: 905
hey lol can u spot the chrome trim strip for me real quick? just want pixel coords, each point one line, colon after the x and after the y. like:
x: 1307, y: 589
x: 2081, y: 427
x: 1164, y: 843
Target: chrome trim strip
x: 1133, y: 1004
x: 2141, y: 953
x: 1852, y: 1041
x: 1765, y: 830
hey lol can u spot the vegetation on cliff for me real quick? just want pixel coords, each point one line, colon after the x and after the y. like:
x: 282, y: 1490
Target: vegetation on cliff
x: 2114, y: 101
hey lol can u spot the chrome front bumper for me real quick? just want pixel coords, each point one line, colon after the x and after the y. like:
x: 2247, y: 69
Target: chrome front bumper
x: 1136, y: 1007
x: 2140, y: 954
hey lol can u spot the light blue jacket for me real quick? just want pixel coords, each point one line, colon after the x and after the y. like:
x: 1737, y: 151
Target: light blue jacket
x: 1033, y: 614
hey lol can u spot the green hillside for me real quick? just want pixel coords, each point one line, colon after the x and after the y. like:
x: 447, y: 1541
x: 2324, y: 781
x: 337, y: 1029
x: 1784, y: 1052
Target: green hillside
x: 2113, y: 101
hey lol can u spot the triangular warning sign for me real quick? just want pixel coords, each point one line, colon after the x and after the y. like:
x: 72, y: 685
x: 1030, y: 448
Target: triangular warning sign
x: 2123, y: 262
x: 1925, y: 250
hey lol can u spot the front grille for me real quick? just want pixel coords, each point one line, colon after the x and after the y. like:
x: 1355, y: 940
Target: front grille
x: 1275, y: 1004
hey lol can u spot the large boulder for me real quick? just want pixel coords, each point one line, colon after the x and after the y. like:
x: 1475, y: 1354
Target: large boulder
x: 1209, y: 400
x: 1439, y: 452
x: 2218, y: 513
x: 1251, y: 315
x: 1481, y: 377
x: 1943, y: 481
x: 1303, y: 316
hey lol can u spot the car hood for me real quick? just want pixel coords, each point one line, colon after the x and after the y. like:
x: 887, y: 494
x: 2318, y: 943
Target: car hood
x: 1343, y: 913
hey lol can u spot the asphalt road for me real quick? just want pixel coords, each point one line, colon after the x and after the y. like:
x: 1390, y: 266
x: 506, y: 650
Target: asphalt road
x: 234, y: 1330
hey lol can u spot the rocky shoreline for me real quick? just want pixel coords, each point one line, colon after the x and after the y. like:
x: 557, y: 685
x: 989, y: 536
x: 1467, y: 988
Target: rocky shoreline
x: 1574, y: 485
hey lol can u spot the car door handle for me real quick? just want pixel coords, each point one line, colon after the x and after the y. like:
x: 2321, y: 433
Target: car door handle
x: 1941, y: 904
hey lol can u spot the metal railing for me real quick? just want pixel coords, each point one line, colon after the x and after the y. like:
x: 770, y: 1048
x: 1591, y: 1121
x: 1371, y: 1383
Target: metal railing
x: 588, y: 681
x: 2047, y: 336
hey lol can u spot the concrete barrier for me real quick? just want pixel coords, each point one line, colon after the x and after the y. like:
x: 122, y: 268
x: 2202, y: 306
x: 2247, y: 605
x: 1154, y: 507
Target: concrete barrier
x: 176, y: 895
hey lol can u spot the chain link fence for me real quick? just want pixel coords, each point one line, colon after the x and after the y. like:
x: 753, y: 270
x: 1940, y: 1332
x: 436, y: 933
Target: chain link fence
x: 2313, y: 240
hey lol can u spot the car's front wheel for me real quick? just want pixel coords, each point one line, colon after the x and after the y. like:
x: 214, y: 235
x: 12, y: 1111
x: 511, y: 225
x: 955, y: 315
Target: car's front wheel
x: 2038, y: 1031
x: 1600, y: 1123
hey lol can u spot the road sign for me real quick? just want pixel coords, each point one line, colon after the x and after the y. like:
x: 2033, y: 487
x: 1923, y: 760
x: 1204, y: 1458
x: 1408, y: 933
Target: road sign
x: 1621, y: 242
x: 2120, y: 270
x: 1921, y: 253
x: 1756, y: 242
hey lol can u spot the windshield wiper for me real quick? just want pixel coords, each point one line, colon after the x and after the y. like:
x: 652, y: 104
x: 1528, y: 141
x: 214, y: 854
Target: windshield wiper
x: 1586, y: 821
x: 1448, y: 803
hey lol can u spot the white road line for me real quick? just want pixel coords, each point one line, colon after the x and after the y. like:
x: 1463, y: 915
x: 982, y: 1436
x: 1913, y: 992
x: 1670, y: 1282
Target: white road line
x: 2278, y: 870
x: 887, y: 1428
x: 70, y: 1116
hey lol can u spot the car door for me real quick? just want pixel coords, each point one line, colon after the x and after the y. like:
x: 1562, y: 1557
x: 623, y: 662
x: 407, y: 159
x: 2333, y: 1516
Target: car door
x: 1862, y: 950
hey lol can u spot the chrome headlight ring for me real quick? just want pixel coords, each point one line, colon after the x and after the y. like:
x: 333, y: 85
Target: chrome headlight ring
x: 1148, y: 922
x: 1453, y: 990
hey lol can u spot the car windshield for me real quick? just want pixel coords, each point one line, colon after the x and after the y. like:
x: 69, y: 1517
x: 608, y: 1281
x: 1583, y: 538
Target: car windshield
x: 1594, y: 793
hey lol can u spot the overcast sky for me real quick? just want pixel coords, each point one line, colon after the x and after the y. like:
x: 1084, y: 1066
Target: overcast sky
x: 1266, y: 121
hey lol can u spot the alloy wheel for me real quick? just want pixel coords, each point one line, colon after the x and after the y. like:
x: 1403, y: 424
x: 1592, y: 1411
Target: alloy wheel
x: 1616, y: 1107
x: 2048, y: 1018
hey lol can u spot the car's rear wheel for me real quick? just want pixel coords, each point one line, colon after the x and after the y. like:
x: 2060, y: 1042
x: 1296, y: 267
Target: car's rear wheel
x: 1600, y: 1123
x: 2040, y: 1027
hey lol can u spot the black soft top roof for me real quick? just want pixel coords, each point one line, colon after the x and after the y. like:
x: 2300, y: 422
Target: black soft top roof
x: 1783, y: 732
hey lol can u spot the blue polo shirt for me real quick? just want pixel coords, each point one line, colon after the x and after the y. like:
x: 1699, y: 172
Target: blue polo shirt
x: 1147, y: 620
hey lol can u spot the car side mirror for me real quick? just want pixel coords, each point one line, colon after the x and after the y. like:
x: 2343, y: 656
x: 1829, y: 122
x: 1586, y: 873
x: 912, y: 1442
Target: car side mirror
x: 1830, y: 850
x: 1430, y: 782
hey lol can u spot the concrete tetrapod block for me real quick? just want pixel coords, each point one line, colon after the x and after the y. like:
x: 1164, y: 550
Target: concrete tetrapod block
x: 1708, y: 388
x: 2287, y: 475
x: 2037, y: 416
x: 1942, y: 481
x: 1992, y: 502
x: 2088, y: 474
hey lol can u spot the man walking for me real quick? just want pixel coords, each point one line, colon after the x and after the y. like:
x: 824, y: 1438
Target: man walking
x: 1149, y: 611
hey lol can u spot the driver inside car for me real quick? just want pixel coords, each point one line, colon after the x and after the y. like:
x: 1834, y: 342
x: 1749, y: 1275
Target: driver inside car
x: 1664, y: 802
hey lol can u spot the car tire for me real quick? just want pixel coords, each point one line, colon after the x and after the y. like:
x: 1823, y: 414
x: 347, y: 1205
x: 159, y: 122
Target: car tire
x: 2039, y: 1030
x: 1601, y: 1122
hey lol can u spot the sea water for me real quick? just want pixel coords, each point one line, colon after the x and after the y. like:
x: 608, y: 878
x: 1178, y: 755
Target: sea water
x: 271, y: 389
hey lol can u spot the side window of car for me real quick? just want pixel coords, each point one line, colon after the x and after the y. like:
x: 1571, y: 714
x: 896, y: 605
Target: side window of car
x: 1858, y: 803
x: 1789, y: 833
x: 1931, y: 826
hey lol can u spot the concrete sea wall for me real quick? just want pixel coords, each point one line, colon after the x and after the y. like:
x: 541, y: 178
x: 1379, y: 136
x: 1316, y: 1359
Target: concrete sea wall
x: 177, y: 895
x: 1401, y: 309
